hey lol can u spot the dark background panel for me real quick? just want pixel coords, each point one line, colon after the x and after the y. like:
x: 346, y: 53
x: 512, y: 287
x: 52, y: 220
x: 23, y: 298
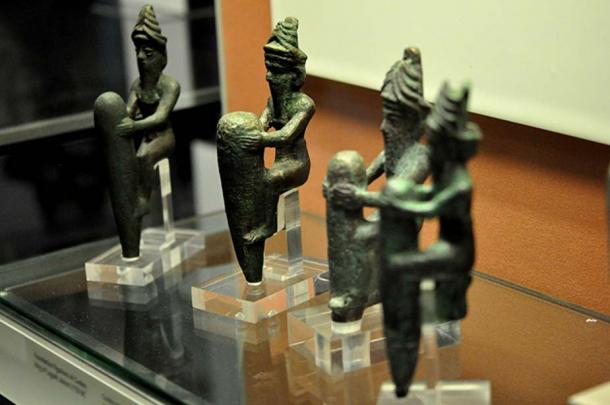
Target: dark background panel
x: 56, y: 57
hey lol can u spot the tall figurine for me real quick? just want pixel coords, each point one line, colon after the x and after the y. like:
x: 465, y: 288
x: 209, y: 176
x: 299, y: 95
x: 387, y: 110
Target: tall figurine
x: 452, y: 141
x: 138, y: 134
x: 353, y: 266
x: 250, y: 190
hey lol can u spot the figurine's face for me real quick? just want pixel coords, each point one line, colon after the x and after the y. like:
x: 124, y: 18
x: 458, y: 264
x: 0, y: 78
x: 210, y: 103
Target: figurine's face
x: 395, y: 125
x: 150, y: 58
x: 280, y: 81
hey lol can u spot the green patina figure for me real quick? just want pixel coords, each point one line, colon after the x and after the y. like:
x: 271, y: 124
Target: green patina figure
x: 351, y: 237
x: 351, y: 243
x: 138, y: 134
x: 453, y: 141
x: 250, y: 190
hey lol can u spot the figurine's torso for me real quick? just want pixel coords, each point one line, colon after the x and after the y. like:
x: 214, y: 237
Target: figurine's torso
x: 280, y: 115
x: 146, y: 102
x: 406, y: 157
x: 455, y: 221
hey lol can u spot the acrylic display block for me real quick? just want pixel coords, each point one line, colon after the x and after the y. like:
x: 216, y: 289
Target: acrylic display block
x: 232, y: 328
x: 158, y: 254
x: 161, y: 249
x: 130, y: 296
x: 444, y: 393
x: 312, y: 333
x: 231, y: 296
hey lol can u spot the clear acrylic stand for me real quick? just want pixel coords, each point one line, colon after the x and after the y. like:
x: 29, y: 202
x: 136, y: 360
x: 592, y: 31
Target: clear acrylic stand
x: 161, y: 249
x: 444, y: 393
x: 233, y: 328
x: 312, y: 333
x: 130, y: 296
x: 287, y: 281
x: 434, y: 391
x: 288, y: 220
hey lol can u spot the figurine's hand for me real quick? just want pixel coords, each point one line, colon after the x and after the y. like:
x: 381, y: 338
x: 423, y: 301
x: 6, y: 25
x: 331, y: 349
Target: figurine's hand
x: 126, y: 127
x: 265, y: 120
x: 344, y: 195
x: 251, y: 140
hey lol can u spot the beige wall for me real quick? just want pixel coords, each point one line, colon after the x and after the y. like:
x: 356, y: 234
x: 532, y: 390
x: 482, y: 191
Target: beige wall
x: 539, y: 206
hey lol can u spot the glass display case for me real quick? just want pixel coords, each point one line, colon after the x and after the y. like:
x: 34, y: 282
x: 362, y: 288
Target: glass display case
x: 106, y: 343
x: 77, y: 326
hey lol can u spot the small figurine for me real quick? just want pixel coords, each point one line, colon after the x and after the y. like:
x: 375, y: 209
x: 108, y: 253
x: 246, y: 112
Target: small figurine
x: 353, y: 266
x: 138, y: 134
x: 453, y: 141
x: 351, y: 243
x: 251, y: 191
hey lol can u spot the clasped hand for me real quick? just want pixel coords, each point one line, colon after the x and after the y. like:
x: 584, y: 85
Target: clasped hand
x: 126, y: 127
x: 251, y: 140
x: 342, y: 194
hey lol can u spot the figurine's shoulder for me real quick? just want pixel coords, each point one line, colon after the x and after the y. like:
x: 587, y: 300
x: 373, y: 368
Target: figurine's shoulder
x: 462, y: 182
x: 135, y: 85
x: 304, y: 103
x: 169, y: 83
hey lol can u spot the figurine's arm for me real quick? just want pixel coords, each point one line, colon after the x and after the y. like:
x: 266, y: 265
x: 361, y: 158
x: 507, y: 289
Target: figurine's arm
x: 349, y: 196
x: 423, y: 192
x: 425, y: 264
x: 371, y: 198
x: 292, y: 129
x: 436, y: 205
x: 171, y: 91
x: 265, y: 117
x: 132, y: 108
x: 376, y: 168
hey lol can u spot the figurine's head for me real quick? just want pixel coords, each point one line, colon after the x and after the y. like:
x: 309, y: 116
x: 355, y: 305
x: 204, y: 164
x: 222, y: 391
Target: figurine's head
x: 231, y: 131
x: 150, y: 43
x: 284, y: 60
x: 347, y: 167
x: 450, y: 136
x: 404, y: 106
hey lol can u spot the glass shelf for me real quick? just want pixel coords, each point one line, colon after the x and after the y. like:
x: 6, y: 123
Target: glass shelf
x: 531, y: 349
